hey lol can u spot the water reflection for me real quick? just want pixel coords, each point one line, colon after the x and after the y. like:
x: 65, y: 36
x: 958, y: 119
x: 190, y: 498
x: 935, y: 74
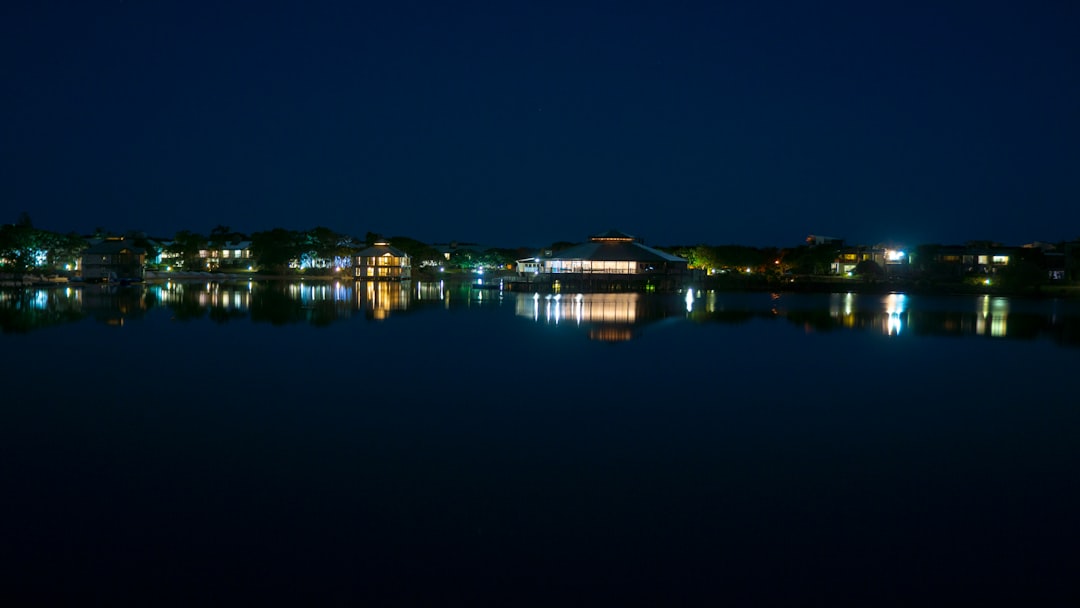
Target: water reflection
x: 899, y: 314
x: 608, y: 317
x: 605, y: 316
x: 23, y: 310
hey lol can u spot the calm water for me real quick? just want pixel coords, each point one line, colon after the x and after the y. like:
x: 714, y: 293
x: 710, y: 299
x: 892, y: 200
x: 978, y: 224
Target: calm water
x: 383, y: 444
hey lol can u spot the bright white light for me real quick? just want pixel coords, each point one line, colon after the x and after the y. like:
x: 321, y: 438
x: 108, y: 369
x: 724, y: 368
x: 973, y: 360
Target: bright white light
x: 690, y: 300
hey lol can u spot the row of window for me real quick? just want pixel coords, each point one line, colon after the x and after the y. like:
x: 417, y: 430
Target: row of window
x: 615, y: 267
x: 983, y: 260
x: 386, y: 260
x: 224, y: 253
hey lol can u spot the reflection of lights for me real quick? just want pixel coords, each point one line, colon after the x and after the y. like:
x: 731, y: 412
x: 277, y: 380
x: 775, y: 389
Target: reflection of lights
x: 995, y: 311
x: 895, y: 304
x: 690, y: 300
x: 586, y: 308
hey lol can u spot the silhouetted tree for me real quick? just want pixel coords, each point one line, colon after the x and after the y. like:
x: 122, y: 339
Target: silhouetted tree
x: 869, y: 270
x: 275, y: 249
x: 186, y: 244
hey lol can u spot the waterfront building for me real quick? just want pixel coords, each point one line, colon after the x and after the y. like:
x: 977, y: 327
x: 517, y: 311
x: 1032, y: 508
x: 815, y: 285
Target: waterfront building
x: 113, y: 259
x: 230, y: 254
x: 381, y: 262
x: 614, y: 253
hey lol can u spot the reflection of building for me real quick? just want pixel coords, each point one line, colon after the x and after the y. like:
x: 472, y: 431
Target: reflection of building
x: 609, y: 317
x: 113, y: 260
x: 620, y: 308
x: 114, y: 305
x: 379, y: 298
x: 381, y: 262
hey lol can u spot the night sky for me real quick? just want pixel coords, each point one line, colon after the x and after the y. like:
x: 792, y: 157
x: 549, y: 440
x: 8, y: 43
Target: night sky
x: 524, y: 123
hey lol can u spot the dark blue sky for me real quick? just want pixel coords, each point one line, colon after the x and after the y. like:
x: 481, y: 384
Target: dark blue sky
x: 525, y: 123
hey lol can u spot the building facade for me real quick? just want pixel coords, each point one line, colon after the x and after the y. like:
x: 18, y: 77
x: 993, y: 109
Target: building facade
x: 113, y: 260
x: 381, y: 262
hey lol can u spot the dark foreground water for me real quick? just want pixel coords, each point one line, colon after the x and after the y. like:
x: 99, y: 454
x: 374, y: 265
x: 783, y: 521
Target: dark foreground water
x: 236, y: 444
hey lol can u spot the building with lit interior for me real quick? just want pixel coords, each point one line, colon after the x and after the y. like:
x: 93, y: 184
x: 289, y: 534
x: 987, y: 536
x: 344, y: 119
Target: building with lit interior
x: 614, y: 253
x: 381, y: 262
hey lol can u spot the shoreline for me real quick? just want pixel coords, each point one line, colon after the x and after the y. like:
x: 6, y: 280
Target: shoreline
x: 808, y: 285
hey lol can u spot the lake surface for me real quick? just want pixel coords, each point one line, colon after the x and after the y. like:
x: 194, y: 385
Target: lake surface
x: 205, y: 443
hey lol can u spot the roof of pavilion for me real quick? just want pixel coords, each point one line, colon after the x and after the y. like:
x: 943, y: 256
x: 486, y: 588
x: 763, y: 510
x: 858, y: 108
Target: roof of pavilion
x: 113, y: 246
x: 380, y: 249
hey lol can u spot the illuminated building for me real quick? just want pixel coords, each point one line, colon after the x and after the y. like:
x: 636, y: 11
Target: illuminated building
x: 381, y: 262
x: 614, y: 253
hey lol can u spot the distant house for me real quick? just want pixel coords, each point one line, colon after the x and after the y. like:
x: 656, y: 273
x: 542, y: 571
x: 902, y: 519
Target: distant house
x: 614, y: 252
x: 973, y: 258
x: 113, y: 260
x: 891, y: 259
x: 817, y: 239
x: 231, y: 254
x: 847, y: 258
x: 381, y: 262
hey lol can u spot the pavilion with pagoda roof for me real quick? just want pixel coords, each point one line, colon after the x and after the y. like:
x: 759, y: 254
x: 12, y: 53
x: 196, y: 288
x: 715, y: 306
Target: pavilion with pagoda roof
x: 614, y: 253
